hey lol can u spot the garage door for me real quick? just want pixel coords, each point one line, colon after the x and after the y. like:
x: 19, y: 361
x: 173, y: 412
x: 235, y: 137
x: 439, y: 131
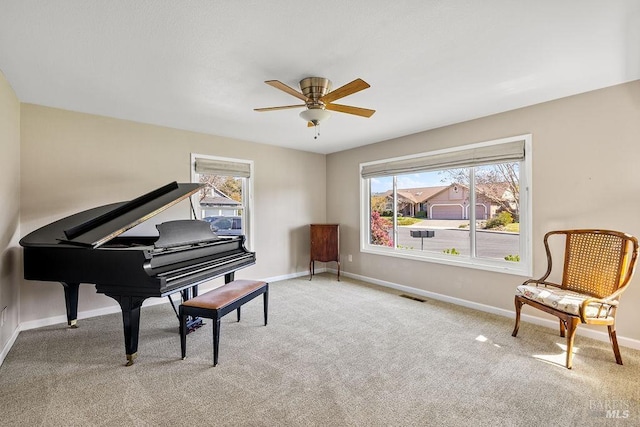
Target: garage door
x: 481, y: 212
x: 446, y: 212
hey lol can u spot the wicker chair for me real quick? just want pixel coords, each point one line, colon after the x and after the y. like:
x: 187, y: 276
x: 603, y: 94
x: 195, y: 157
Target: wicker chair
x: 598, y: 265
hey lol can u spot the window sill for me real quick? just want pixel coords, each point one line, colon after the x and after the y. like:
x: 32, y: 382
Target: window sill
x: 506, y: 267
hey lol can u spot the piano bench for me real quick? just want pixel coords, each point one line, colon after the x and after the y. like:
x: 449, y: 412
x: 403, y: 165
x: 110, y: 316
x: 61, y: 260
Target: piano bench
x: 218, y: 302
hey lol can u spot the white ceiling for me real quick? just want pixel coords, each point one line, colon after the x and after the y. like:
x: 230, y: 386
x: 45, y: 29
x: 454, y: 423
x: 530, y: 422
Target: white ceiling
x: 201, y: 65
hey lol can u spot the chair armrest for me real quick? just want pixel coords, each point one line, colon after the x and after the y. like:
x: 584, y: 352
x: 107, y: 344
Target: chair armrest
x: 611, y: 300
x: 541, y: 282
x: 605, y: 304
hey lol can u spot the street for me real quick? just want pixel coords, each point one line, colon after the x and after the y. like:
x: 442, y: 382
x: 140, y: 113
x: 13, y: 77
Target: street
x: 489, y: 244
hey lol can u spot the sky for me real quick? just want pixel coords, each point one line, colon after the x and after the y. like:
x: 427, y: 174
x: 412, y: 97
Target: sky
x: 415, y: 180
x: 435, y: 178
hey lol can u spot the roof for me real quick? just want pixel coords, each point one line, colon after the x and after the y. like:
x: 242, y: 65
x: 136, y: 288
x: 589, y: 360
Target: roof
x: 211, y: 201
x: 422, y: 194
x: 419, y: 194
x: 218, y: 198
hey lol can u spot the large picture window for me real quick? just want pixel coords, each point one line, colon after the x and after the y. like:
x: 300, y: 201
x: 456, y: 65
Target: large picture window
x: 465, y: 206
x: 225, y: 201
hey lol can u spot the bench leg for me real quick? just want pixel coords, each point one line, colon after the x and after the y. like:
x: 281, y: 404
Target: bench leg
x: 238, y: 314
x: 183, y: 333
x: 216, y: 339
x: 266, y: 304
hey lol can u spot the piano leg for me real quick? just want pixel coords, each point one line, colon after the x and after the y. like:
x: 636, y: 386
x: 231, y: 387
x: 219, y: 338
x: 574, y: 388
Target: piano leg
x: 71, y: 300
x: 130, y: 306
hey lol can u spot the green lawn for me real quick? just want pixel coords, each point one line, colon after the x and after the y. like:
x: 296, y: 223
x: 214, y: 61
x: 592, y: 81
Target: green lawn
x: 513, y: 227
x: 404, y: 220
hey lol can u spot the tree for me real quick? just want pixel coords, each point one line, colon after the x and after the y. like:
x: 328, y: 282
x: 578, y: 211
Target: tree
x: 380, y: 230
x: 230, y: 186
x: 378, y: 203
x: 500, y: 183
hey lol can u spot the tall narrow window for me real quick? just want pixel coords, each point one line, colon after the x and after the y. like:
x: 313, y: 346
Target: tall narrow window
x: 225, y: 201
x: 468, y: 206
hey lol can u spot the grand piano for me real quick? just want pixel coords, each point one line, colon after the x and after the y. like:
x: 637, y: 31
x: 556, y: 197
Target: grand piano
x: 89, y: 247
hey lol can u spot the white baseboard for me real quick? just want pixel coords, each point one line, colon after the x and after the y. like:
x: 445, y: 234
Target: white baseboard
x: 586, y: 332
x: 9, y: 344
x: 54, y: 320
x: 291, y: 275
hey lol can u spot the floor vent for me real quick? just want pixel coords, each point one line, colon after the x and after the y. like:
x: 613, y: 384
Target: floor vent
x: 413, y: 298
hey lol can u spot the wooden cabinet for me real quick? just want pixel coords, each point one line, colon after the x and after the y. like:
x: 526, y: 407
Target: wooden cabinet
x: 325, y: 245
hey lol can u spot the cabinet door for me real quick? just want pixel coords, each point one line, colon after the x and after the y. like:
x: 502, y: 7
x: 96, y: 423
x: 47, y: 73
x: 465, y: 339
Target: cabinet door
x: 324, y: 242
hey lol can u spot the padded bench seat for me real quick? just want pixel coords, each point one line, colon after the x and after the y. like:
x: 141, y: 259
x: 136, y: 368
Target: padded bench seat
x: 218, y: 302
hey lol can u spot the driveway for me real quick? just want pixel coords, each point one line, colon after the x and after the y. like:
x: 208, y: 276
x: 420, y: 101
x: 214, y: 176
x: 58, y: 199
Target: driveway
x: 440, y: 223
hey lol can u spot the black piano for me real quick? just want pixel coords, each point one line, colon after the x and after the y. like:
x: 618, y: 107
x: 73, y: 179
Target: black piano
x: 88, y: 247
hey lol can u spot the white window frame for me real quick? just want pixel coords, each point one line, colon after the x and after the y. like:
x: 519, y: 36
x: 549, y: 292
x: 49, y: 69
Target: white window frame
x: 247, y: 192
x: 522, y: 268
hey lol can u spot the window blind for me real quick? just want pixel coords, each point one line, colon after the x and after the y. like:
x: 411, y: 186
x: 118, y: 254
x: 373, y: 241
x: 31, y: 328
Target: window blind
x: 499, y: 153
x: 222, y: 167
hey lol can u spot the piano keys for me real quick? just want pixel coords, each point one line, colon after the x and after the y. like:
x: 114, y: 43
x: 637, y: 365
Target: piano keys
x: 88, y: 247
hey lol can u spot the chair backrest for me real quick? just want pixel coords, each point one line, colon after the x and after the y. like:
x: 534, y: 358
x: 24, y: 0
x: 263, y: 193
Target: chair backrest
x: 598, y: 262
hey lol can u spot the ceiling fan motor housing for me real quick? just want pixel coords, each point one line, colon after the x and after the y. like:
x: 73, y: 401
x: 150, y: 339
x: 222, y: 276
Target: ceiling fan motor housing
x: 315, y: 88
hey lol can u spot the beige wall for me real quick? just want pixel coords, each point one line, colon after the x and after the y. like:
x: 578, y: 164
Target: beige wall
x: 73, y: 161
x: 10, y: 264
x: 586, y: 150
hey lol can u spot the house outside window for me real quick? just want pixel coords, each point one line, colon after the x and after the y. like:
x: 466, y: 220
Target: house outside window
x: 225, y: 201
x: 467, y: 206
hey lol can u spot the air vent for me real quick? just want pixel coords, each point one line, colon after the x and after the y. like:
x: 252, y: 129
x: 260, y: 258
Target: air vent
x: 413, y: 298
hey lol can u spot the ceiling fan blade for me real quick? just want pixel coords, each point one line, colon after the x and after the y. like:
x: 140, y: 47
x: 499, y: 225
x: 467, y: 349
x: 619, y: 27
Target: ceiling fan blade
x: 350, y: 88
x: 364, y: 112
x: 284, y: 107
x: 283, y: 87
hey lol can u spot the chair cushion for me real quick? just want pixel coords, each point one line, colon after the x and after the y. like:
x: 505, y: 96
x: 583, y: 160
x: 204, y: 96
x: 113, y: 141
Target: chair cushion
x: 562, y: 300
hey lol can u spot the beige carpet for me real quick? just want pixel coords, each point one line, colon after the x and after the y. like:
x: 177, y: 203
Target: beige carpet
x: 333, y: 354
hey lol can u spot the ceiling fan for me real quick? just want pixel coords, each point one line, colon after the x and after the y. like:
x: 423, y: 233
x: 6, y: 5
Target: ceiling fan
x: 318, y: 98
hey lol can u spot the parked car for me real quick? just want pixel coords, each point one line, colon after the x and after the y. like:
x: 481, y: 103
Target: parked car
x: 225, y: 225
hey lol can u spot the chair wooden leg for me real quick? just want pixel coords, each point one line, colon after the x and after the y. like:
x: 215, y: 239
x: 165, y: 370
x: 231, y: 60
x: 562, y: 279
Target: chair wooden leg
x: 572, y: 326
x: 614, y: 343
x: 562, y: 328
x: 518, y: 303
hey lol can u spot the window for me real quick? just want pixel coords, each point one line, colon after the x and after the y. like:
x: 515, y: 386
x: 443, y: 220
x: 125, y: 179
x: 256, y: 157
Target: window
x: 225, y: 202
x: 468, y: 206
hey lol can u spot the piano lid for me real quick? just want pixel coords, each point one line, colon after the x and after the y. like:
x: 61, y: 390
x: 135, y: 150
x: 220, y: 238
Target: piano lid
x: 101, y: 229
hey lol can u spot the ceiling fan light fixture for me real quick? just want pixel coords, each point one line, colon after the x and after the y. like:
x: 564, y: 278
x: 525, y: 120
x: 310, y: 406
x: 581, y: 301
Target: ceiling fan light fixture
x: 315, y: 115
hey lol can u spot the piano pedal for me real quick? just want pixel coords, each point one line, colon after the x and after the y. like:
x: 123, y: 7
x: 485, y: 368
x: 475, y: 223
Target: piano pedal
x: 194, y: 323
